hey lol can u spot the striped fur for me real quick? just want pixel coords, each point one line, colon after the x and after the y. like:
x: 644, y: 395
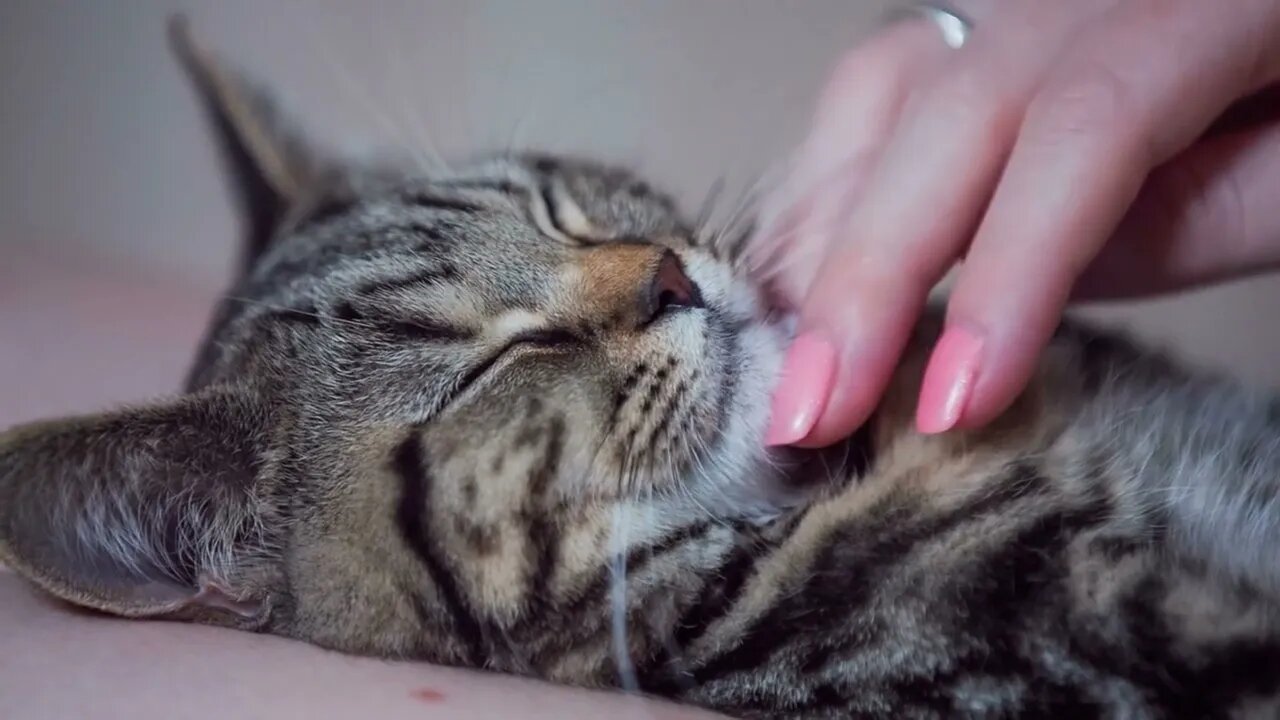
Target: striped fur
x: 509, y: 416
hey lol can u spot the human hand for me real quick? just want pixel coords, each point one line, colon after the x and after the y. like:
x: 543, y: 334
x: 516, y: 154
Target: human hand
x: 1062, y: 151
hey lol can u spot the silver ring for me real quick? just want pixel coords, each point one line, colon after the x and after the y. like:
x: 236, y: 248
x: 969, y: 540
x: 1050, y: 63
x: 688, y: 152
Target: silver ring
x: 954, y: 27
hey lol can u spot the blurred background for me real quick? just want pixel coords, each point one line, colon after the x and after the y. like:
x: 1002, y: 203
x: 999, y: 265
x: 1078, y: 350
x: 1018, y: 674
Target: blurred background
x: 116, y: 233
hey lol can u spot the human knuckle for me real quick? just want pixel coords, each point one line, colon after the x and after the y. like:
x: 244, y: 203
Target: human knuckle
x: 882, y: 58
x: 864, y: 73
x: 963, y: 90
x: 1094, y: 104
x: 904, y: 272
x: 1196, y: 190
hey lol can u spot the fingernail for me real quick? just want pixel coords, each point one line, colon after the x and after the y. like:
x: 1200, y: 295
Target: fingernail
x: 807, y: 375
x: 948, y: 381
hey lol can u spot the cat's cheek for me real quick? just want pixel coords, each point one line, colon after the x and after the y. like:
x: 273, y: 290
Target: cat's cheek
x: 763, y: 352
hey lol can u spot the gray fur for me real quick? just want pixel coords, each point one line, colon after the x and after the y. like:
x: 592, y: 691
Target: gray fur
x: 476, y: 418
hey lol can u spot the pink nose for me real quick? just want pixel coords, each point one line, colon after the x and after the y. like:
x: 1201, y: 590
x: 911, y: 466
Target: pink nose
x: 669, y: 289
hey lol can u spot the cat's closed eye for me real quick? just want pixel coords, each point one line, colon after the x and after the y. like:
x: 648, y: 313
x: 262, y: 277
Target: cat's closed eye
x: 528, y: 339
x: 548, y: 338
x: 423, y: 331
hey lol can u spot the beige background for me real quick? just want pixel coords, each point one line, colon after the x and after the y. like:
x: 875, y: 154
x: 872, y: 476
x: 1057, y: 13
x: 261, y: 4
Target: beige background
x: 117, y: 233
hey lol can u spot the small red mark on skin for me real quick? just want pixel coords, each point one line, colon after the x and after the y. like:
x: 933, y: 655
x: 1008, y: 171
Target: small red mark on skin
x: 427, y: 695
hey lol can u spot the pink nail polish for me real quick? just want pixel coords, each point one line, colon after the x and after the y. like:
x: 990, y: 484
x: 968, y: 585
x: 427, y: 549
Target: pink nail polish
x: 801, y: 395
x: 949, y: 379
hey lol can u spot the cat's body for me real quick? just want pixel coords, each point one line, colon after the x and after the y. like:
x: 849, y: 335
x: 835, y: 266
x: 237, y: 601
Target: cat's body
x: 509, y: 416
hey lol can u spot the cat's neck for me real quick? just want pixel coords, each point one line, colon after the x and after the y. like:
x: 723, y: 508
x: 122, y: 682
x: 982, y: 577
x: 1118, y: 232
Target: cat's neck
x: 815, y: 474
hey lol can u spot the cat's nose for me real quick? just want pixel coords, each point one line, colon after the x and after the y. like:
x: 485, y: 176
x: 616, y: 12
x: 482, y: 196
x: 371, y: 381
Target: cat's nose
x: 668, y: 289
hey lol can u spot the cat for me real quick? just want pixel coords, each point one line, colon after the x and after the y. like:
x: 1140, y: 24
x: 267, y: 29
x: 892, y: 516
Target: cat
x: 509, y: 416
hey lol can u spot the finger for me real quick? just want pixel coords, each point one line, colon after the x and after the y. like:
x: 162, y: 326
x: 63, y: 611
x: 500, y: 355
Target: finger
x: 1142, y: 85
x: 1207, y: 216
x: 858, y: 108
x: 911, y: 222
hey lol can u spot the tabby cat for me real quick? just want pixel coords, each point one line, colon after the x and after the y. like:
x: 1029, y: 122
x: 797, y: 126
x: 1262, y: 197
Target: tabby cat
x: 510, y: 416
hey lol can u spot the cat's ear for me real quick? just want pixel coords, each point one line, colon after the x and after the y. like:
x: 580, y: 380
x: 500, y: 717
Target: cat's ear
x: 154, y: 511
x: 273, y: 166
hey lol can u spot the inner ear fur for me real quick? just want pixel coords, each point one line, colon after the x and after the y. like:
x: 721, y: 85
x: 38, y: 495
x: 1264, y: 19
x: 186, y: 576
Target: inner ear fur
x: 150, y: 511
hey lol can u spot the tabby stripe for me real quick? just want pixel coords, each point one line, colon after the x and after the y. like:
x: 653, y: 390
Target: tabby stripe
x: 593, y: 600
x: 847, y: 572
x: 667, y: 412
x: 638, y: 373
x: 666, y: 675
x: 1027, y: 575
x: 438, y: 202
x: 326, y: 211
x: 638, y: 558
x: 446, y: 272
x: 718, y: 598
x: 890, y: 548
x: 861, y: 449
x: 504, y: 187
x: 1273, y: 414
x: 546, y: 169
x: 732, y: 359
x: 1177, y: 688
x: 542, y: 537
x: 547, y: 196
x: 326, y: 256
x: 1242, y: 667
x: 416, y: 331
x: 1148, y: 637
x: 1102, y: 353
x: 299, y: 316
x: 411, y: 330
x: 410, y: 464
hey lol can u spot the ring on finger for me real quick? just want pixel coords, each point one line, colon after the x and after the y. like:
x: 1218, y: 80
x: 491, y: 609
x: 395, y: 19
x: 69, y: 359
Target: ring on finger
x: 952, y: 25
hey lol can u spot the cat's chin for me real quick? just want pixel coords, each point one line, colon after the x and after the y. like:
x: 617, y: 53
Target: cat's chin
x: 764, y: 482
x: 746, y: 479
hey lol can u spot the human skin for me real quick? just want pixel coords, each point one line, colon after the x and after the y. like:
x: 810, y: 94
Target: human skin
x: 61, y: 663
x: 1084, y: 149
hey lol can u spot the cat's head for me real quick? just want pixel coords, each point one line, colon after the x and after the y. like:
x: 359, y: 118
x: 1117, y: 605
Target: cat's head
x: 434, y: 395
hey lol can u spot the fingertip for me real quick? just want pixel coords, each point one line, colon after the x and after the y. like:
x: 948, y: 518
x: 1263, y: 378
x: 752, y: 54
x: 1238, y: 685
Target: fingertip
x: 859, y: 381
x: 979, y: 369
x: 949, y: 379
x: 802, y: 393
x: 850, y: 405
x: 832, y: 433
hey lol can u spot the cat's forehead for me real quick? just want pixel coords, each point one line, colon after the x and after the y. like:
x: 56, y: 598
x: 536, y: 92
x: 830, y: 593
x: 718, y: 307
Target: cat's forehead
x: 502, y: 224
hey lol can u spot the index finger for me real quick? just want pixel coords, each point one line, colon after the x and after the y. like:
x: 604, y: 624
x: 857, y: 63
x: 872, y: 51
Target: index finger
x: 1142, y: 86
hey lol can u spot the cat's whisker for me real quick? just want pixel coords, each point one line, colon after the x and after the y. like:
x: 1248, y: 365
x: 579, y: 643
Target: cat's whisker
x: 754, y: 255
x: 363, y: 99
x: 618, y: 597
x: 418, y: 127
x: 771, y: 260
x: 362, y: 324
x: 515, y: 139
x: 740, y: 210
x: 709, y: 479
x: 707, y: 209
